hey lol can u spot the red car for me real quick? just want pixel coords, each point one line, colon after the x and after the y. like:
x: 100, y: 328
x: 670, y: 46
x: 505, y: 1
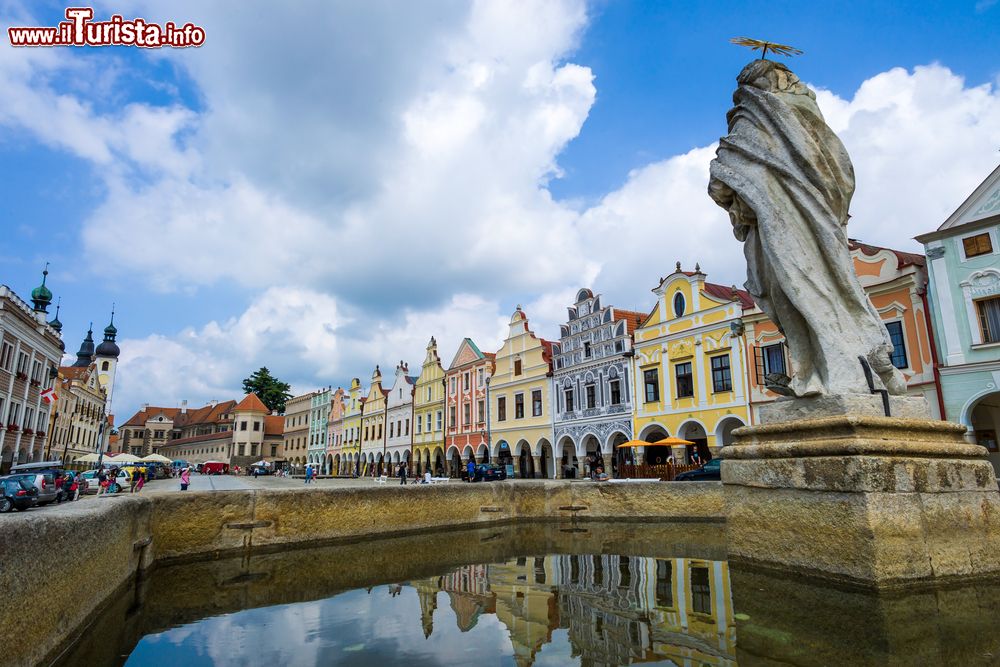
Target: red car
x: 214, y: 468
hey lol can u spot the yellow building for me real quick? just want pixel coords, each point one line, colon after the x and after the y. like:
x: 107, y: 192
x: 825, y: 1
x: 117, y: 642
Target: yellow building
x: 690, y: 378
x: 520, y: 415
x: 373, y: 433
x: 350, y: 451
x: 428, y: 413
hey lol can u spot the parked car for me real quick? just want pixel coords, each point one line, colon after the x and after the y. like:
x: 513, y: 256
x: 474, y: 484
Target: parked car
x: 488, y: 472
x: 44, y: 482
x: 708, y: 472
x: 123, y: 481
x: 17, y: 493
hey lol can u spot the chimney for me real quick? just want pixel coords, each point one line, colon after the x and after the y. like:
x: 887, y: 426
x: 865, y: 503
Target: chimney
x: 144, y: 406
x: 184, y: 407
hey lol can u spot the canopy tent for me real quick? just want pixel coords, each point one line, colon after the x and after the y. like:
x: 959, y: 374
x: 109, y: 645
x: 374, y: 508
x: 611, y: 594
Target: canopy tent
x: 156, y: 458
x: 261, y: 464
x: 667, y: 442
x: 87, y: 458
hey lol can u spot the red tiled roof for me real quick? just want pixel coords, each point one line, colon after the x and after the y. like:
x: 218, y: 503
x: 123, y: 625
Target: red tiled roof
x: 224, y: 435
x: 251, y: 403
x: 902, y: 258
x: 633, y: 319
x: 139, y: 418
x: 73, y: 372
x: 274, y: 425
x: 726, y: 294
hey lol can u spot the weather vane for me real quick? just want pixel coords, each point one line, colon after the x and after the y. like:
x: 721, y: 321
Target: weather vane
x: 764, y: 47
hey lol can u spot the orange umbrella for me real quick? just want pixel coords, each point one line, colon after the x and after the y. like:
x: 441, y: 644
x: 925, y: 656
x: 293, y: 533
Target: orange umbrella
x: 671, y: 441
x: 633, y: 443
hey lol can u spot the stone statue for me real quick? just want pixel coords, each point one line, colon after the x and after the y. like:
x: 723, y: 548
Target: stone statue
x: 787, y: 182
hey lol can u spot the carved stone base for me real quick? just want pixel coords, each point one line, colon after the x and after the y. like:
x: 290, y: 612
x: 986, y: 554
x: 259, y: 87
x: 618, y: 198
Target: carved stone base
x: 862, y: 405
x: 873, y: 501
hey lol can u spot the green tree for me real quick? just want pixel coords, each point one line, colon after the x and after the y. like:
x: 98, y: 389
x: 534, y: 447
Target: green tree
x: 269, y: 389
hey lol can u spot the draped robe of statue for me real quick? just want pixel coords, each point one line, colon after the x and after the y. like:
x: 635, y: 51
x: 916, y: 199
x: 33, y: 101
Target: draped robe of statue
x: 786, y: 181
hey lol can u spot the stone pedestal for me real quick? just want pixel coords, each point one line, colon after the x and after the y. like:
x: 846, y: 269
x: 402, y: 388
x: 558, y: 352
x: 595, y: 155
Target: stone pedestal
x: 868, y: 500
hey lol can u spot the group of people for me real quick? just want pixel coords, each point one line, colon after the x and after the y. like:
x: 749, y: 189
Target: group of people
x: 68, y: 486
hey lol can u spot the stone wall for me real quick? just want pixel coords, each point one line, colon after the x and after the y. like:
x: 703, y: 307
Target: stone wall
x: 60, y: 565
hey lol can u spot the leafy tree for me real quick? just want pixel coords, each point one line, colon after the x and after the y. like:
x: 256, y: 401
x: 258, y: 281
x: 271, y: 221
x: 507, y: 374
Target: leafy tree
x: 269, y: 389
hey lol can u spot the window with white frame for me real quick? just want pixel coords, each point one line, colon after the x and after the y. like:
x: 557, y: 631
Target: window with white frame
x: 895, y: 330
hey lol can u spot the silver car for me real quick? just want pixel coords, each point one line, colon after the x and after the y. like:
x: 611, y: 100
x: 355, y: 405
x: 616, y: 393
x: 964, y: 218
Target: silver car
x: 45, y: 482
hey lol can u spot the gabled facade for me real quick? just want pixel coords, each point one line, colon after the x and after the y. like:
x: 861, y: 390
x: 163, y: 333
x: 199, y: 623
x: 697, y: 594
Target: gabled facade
x: 428, y: 413
x: 296, y: 433
x: 350, y: 450
x: 689, y: 368
x: 76, y: 430
x: 335, y: 431
x: 399, y: 418
x: 319, y: 421
x: 373, y: 427
x: 465, y: 407
x: 592, y: 383
x: 520, y: 402
x: 963, y: 257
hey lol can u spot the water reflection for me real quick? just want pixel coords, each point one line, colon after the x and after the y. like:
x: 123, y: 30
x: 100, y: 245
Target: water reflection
x: 535, y: 594
x: 618, y: 609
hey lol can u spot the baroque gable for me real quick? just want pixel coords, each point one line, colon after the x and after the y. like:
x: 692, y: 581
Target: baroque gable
x: 984, y: 202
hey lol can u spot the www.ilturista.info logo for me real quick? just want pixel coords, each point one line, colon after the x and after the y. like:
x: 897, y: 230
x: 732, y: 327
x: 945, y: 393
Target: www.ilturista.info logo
x: 80, y: 30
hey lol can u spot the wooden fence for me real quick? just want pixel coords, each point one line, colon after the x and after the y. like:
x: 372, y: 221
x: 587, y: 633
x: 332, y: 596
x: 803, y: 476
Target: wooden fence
x: 665, y: 472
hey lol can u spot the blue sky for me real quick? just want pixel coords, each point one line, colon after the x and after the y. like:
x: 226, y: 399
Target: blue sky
x: 325, y: 201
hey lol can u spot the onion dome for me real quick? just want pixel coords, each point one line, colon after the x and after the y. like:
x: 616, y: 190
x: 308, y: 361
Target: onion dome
x: 55, y: 323
x: 108, y: 347
x: 41, y: 296
x: 86, y: 353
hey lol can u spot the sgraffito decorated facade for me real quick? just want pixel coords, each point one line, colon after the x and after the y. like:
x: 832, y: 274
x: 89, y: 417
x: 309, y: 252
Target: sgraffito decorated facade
x: 592, y: 389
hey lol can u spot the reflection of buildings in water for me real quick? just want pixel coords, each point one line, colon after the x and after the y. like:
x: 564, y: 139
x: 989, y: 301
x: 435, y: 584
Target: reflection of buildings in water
x: 622, y: 609
x: 468, y: 588
x: 618, y: 609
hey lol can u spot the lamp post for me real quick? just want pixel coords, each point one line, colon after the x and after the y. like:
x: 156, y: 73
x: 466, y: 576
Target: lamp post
x: 100, y: 440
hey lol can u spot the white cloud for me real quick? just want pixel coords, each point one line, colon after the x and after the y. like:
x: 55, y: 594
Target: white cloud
x: 291, y: 330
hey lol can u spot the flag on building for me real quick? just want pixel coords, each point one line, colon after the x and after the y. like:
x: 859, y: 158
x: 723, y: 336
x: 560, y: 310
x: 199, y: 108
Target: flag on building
x: 49, y: 395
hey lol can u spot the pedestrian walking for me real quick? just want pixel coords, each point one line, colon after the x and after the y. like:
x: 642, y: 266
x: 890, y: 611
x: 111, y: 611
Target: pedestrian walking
x: 134, y: 480
x: 59, y: 481
x: 471, y: 469
x: 185, y: 478
x: 402, y: 474
x: 141, y: 474
x: 102, y: 482
x: 308, y: 473
x: 75, y: 487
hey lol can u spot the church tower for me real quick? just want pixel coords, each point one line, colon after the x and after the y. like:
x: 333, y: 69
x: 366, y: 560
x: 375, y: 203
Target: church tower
x: 106, y: 359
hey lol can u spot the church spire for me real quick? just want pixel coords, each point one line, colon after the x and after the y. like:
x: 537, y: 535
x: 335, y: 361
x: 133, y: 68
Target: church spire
x: 41, y: 296
x: 86, y: 353
x: 109, y: 348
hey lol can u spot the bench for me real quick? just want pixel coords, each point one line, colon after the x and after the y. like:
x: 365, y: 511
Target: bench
x: 381, y: 480
x: 440, y: 480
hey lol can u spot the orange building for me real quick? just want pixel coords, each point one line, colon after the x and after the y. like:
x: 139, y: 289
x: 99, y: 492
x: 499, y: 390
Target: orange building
x: 896, y: 283
x: 466, y: 396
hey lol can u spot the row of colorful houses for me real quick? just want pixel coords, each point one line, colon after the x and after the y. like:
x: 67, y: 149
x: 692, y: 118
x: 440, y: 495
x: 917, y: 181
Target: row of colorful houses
x: 692, y: 367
